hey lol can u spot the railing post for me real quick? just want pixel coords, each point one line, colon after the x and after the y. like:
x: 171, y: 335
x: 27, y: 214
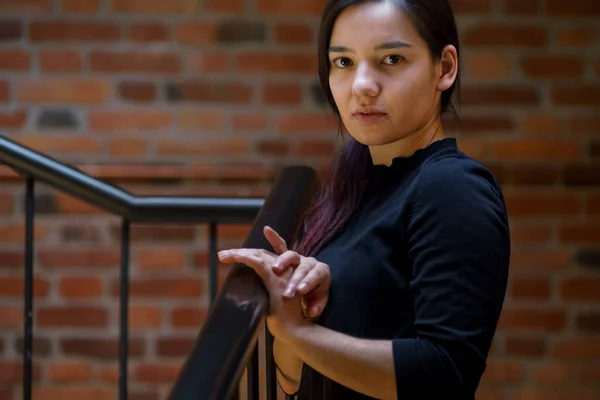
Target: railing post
x: 28, y: 308
x: 124, y: 310
x: 213, y: 262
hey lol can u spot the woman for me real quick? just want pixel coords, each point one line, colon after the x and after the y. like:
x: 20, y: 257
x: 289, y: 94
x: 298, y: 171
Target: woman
x: 411, y: 234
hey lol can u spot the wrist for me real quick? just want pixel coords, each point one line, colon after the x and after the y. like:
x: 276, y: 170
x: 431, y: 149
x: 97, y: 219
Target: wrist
x: 297, y: 332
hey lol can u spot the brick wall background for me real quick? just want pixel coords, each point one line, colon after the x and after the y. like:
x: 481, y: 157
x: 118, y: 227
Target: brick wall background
x: 210, y: 97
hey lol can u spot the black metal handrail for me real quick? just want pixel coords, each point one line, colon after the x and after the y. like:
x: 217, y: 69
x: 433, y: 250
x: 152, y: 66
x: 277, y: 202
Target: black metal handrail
x: 242, y: 292
x: 117, y: 201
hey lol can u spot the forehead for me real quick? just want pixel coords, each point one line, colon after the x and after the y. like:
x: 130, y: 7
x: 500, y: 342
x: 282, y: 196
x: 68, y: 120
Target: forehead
x: 372, y: 23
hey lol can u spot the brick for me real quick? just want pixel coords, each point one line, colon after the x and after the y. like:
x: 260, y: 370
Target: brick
x: 593, y: 205
x: 594, y: 150
x: 293, y: 33
x: 105, y: 349
x: 15, y: 232
x: 72, y: 206
x: 552, y: 66
x: 156, y: 373
x: 145, y: 317
x: 588, y: 321
x: 163, y: 287
x: 274, y: 147
x: 489, y: 65
x: 582, y: 175
x: 532, y: 319
x: 535, y: 150
x: 551, y: 374
x: 471, y: 6
x: 130, y: 120
x: 4, y: 91
x: 576, y: 95
x: 60, y: 60
x: 575, y: 36
x: 155, y: 6
x: 71, y: 316
x: 241, y: 31
x: 10, y: 29
x: 201, y: 120
x: 128, y: 147
x: 15, y: 60
x: 57, y: 119
x: 61, y: 31
x: 14, y: 287
x: 556, y: 393
x: 175, y: 346
x: 7, y: 206
x: 577, y: 348
x: 13, y: 119
x: 589, y: 373
x: 532, y: 205
x: 514, y: 36
x: 195, y: 33
x: 79, y: 258
x: 72, y: 287
x: 521, y: 7
x: 12, y: 372
x: 250, y: 122
x: 281, y: 93
x: 213, y: 92
x: 530, y: 234
x: 225, y: 147
x: 75, y: 233
x: 533, y: 175
x: 148, y: 32
x: 26, y: 6
x: 574, y: 8
x: 296, y: 122
x: 161, y: 258
x: 208, y: 61
x: 580, y: 233
x: 73, y: 392
x: 137, y: 91
x: 503, y: 372
x: 143, y: 395
x: 585, y: 124
x: 588, y: 258
x: 261, y: 62
x: 541, y: 124
x: 580, y: 288
x: 80, y: 6
x: 65, y: 90
x: 11, y: 316
x: 226, y: 6
x: 160, y: 233
x: 69, y: 372
x: 41, y: 347
x: 295, y: 7
x: 543, y: 260
x: 188, y: 317
x: 316, y: 148
x: 525, y: 347
x: 485, y: 392
x: 11, y: 259
x: 158, y: 62
x: 499, y: 96
x: 533, y: 288
x: 232, y: 231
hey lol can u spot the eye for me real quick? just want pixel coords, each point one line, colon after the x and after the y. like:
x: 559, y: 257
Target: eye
x: 393, y: 59
x: 342, y: 62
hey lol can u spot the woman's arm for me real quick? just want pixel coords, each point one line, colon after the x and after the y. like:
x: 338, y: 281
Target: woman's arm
x: 366, y: 366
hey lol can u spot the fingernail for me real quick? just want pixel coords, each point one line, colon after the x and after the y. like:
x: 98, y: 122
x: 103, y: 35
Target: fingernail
x: 302, y: 287
x: 288, y: 292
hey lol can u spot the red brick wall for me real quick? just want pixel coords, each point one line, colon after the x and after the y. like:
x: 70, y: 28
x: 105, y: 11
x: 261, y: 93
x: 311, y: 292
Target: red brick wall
x: 211, y: 97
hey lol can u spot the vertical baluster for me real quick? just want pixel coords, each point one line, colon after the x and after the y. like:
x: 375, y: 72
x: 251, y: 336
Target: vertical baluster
x: 28, y: 308
x: 253, y: 373
x: 270, y: 366
x: 213, y: 266
x: 124, y: 311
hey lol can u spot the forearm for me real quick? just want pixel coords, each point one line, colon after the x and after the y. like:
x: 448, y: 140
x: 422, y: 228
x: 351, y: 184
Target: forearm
x: 366, y: 366
x: 289, y: 367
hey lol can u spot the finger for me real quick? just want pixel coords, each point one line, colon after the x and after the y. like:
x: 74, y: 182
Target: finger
x: 315, y: 277
x: 287, y: 259
x: 250, y: 258
x: 275, y: 240
x: 299, y: 274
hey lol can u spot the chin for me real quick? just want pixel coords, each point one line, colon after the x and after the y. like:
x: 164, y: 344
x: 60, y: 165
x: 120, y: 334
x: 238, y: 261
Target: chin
x: 372, y: 138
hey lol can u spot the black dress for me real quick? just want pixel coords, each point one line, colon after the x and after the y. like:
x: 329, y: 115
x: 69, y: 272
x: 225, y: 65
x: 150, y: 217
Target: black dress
x: 424, y: 263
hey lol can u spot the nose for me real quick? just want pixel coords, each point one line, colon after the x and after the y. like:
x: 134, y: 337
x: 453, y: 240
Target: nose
x: 365, y: 82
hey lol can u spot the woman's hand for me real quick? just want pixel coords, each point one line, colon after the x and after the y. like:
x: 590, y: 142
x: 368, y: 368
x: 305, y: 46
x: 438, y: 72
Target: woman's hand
x: 311, y: 278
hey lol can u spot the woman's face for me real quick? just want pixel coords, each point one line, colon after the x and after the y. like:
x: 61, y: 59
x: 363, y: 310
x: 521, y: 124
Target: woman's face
x: 382, y: 76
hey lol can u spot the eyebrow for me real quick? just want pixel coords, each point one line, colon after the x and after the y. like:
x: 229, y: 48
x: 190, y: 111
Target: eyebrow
x: 384, y: 46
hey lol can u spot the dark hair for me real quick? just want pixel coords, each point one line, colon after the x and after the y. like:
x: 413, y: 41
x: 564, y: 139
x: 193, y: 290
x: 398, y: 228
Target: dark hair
x: 434, y: 21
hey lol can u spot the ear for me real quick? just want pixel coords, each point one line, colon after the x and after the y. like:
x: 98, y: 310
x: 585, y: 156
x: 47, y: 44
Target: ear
x: 447, y: 68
